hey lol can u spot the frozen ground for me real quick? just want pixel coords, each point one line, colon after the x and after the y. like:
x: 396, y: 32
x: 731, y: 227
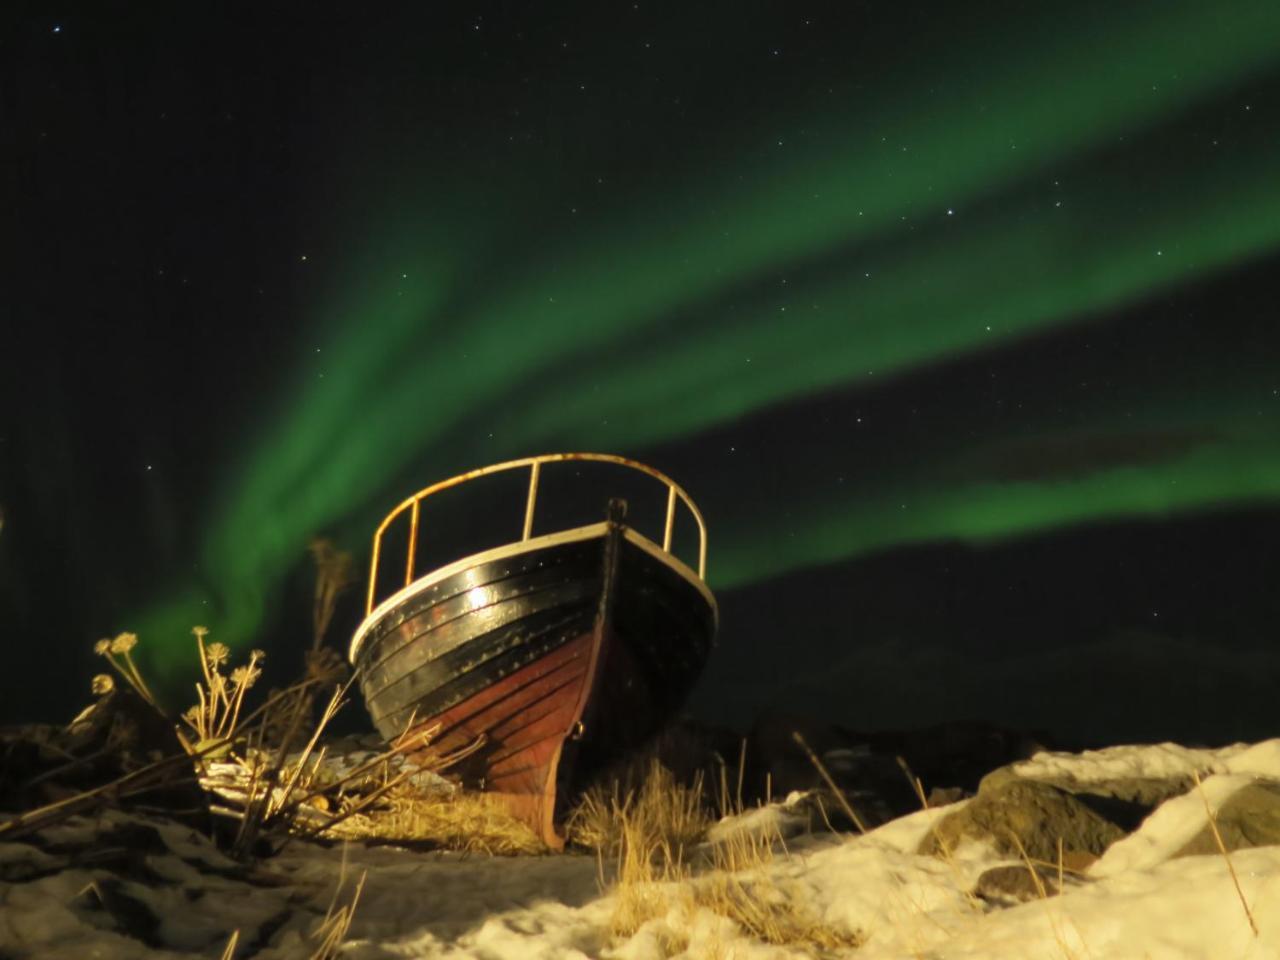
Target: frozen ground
x: 1135, y: 903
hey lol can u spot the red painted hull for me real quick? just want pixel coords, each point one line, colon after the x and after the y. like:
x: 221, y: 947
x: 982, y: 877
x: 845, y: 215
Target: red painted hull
x: 523, y: 719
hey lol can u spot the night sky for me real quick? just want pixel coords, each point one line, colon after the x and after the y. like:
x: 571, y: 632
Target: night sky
x: 959, y: 323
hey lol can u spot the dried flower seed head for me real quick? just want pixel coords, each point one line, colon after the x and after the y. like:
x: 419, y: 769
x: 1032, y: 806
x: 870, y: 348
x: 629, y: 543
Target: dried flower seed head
x: 124, y: 643
x: 244, y: 677
x: 258, y: 655
x: 200, y: 632
x: 217, y: 654
x: 103, y: 684
x: 193, y: 716
x: 103, y: 647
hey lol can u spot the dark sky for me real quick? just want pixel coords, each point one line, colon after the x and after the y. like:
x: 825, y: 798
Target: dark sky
x: 958, y: 323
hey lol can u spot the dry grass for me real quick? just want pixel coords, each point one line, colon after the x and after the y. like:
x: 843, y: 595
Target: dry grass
x: 329, y: 936
x: 648, y: 875
x: 652, y: 831
x: 742, y: 888
x: 470, y: 822
x: 769, y: 912
x: 647, y: 831
x: 661, y: 811
x: 278, y: 787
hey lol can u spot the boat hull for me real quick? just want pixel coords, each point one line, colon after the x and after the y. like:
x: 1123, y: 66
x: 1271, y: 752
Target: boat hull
x: 557, y: 655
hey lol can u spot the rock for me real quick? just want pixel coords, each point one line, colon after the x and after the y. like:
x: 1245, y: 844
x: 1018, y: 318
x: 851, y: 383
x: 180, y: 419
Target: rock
x: 875, y: 770
x: 122, y: 722
x: 943, y: 796
x: 956, y: 754
x: 1141, y: 792
x: 1013, y: 884
x: 1249, y: 818
x: 824, y: 811
x: 690, y: 749
x: 127, y: 883
x: 1123, y: 800
x: 873, y: 784
x: 120, y: 735
x: 1036, y: 814
x: 775, y: 763
x: 793, y: 817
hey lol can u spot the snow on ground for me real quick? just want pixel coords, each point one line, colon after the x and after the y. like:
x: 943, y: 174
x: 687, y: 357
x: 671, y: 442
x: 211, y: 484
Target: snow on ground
x: 1169, y: 828
x: 1154, y: 761
x: 1136, y: 902
x: 454, y: 905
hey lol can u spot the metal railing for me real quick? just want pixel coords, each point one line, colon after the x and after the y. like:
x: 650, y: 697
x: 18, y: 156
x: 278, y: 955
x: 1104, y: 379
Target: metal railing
x: 413, y: 505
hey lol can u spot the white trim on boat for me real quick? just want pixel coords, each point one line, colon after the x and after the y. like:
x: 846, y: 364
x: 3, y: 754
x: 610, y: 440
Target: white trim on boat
x: 514, y: 550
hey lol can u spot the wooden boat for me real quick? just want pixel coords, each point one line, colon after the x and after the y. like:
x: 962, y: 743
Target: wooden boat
x: 550, y: 655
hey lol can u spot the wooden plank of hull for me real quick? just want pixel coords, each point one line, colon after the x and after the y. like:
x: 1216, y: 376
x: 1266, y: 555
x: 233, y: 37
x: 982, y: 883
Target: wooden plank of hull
x: 441, y: 628
x: 556, y: 690
x: 524, y: 717
x: 463, y: 672
x: 443, y: 647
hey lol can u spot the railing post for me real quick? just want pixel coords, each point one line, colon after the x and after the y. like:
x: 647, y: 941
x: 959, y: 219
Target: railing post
x: 373, y: 572
x: 413, y: 543
x: 671, y: 517
x: 533, y: 499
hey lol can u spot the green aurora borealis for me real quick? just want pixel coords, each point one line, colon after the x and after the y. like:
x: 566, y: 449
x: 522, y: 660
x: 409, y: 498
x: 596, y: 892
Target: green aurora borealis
x: 956, y: 207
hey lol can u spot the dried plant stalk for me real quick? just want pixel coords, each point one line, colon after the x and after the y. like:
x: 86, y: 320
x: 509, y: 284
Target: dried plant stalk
x: 1222, y: 848
x: 335, y: 571
x: 830, y: 781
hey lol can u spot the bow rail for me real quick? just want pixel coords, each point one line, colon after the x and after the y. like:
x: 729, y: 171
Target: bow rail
x: 534, y: 464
